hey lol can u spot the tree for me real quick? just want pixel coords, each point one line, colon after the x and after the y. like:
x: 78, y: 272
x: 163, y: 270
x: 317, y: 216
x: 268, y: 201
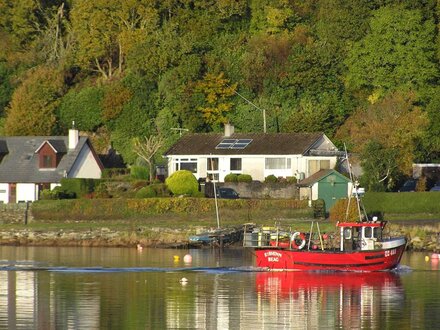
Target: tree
x: 106, y: 30
x: 84, y: 107
x: 146, y: 148
x: 5, y: 86
x: 325, y: 113
x: 399, y: 51
x: 216, y: 91
x: 32, y: 110
x: 380, y: 166
x: 390, y: 127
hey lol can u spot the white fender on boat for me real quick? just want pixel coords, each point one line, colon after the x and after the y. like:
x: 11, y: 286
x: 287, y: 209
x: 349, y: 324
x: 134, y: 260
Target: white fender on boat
x: 293, y: 239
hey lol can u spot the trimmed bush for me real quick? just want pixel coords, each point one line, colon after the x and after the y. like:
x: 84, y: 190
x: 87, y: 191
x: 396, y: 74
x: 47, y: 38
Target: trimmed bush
x: 231, y: 177
x: 48, y: 194
x: 146, y: 192
x: 182, y: 182
x: 291, y: 179
x: 271, y: 179
x: 121, y: 208
x: 77, y: 187
x: 244, y: 178
x: 139, y: 172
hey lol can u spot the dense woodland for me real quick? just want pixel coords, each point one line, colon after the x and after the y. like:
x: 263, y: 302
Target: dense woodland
x: 365, y: 72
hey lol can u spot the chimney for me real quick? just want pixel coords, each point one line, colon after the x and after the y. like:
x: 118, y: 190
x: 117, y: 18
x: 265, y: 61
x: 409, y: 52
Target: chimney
x: 73, y: 136
x: 229, y: 130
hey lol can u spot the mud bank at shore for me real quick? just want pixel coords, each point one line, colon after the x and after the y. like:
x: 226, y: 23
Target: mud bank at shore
x: 420, y: 238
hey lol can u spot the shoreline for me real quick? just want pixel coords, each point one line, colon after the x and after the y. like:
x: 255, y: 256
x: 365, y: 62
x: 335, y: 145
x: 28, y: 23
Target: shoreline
x: 420, y: 237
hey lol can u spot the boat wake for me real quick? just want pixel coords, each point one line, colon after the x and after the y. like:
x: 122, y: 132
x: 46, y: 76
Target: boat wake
x: 26, y: 266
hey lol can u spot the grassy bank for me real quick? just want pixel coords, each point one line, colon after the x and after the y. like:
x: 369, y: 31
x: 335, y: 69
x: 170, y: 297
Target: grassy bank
x: 403, y: 203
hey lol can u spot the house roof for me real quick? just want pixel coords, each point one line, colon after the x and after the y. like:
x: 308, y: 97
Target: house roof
x: 262, y: 144
x: 20, y: 164
x: 318, y: 176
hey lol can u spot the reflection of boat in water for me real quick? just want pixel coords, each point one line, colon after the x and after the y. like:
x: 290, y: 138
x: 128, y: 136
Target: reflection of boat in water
x: 303, y: 300
x: 363, y: 246
x: 285, y: 283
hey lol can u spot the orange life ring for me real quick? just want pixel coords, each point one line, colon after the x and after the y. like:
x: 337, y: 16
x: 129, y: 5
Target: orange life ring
x: 295, y: 238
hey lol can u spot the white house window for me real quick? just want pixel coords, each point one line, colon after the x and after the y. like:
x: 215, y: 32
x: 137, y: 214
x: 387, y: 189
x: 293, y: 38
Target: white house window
x: 319, y: 164
x: 281, y: 163
x: 189, y: 164
x: 235, y: 164
x: 212, y: 164
x: 212, y: 169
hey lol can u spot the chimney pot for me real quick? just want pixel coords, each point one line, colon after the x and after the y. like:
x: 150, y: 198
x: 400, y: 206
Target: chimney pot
x: 229, y: 130
x: 73, y: 138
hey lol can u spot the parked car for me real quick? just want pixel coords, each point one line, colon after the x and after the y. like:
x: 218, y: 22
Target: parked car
x: 227, y: 193
x: 409, y: 185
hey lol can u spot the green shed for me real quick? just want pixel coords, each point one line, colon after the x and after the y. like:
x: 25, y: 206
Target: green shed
x: 328, y: 185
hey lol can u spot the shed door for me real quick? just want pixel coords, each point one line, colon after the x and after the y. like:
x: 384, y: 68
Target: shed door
x: 330, y: 192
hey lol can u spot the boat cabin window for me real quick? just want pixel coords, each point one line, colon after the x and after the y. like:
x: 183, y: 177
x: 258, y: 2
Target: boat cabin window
x: 371, y: 232
x: 367, y: 232
x: 376, y: 232
x: 347, y: 232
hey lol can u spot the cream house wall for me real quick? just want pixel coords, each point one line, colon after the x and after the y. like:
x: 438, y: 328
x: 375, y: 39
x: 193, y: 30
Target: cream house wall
x: 4, y: 193
x: 26, y: 192
x: 85, y: 166
x: 254, y: 166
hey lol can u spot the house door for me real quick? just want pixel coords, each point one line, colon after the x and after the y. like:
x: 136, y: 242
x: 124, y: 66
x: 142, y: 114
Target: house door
x: 13, y: 193
x: 330, y: 192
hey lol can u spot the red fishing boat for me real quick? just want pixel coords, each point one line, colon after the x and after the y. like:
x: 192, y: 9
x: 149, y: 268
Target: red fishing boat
x: 362, y: 246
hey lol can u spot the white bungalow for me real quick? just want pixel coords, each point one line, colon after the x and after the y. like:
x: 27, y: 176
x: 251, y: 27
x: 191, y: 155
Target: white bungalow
x: 214, y: 156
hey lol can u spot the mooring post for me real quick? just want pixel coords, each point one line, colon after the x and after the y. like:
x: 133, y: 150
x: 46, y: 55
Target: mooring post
x: 26, y: 213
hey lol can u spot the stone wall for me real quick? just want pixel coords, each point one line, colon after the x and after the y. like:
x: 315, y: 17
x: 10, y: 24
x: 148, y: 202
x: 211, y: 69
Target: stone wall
x: 258, y: 189
x: 15, y: 213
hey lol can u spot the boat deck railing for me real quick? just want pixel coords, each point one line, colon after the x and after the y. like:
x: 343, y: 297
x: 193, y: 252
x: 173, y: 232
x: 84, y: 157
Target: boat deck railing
x: 267, y: 238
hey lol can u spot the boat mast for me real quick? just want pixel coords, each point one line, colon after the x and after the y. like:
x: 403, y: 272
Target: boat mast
x: 354, y: 191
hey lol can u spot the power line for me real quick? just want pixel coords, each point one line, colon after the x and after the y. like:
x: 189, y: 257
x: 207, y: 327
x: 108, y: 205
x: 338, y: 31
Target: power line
x: 254, y: 105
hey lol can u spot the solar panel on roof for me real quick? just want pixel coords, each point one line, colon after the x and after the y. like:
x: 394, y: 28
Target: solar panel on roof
x: 241, y: 144
x: 226, y: 144
x: 233, y: 144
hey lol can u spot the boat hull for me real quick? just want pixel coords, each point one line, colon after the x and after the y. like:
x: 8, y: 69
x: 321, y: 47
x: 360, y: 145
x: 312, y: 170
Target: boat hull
x: 364, y: 261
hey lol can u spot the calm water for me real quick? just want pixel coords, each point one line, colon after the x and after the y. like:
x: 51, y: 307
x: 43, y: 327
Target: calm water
x: 121, y: 288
